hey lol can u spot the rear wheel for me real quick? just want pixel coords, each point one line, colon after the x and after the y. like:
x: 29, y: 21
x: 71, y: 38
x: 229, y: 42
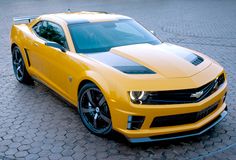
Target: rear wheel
x: 94, y: 110
x: 20, y: 71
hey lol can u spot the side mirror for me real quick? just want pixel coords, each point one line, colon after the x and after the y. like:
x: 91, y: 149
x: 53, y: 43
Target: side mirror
x: 153, y: 32
x: 55, y: 45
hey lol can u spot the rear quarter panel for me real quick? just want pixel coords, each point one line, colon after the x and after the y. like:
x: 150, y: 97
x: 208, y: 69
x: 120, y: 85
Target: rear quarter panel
x: 20, y: 36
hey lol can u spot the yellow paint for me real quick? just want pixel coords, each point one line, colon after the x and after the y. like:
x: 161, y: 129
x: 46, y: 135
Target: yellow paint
x: 53, y: 68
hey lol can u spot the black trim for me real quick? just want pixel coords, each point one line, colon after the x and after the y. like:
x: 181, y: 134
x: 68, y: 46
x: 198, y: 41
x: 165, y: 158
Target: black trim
x: 194, y: 59
x: 27, y: 57
x: 135, y: 122
x: 197, y: 60
x: 179, y: 135
x: 180, y: 119
x: 134, y: 69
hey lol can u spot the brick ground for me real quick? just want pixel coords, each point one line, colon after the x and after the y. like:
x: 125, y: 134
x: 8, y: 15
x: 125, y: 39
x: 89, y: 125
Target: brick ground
x: 34, y: 123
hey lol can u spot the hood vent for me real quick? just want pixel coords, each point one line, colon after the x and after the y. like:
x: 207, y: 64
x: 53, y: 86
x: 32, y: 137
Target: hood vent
x: 194, y: 59
x: 197, y: 60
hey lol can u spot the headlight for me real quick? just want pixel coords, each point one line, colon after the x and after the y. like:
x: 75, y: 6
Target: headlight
x: 138, y: 96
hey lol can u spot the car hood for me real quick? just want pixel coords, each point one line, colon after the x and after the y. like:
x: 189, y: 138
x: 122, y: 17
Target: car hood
x: 167, y: 60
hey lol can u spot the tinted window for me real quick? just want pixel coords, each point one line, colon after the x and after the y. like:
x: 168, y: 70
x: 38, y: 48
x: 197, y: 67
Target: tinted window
x: 102, y: 36
x: 51, y: 32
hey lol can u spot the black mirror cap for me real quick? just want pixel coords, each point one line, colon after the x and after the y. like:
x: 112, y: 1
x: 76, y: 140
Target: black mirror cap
x: 55, y: 45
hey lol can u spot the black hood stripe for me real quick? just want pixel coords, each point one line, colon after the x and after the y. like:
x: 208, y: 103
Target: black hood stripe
x: 120, y: 63
x: 185, y: 54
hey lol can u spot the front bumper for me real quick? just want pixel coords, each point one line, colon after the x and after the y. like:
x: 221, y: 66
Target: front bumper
x: 181, y: 134
x: 146, y: 133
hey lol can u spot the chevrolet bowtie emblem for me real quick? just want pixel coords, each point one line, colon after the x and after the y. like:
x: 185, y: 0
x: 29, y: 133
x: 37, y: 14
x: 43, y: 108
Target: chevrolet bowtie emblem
x: 197, y: 94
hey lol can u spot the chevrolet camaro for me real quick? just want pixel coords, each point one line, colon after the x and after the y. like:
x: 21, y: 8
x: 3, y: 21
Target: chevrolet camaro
x: 120, y: 75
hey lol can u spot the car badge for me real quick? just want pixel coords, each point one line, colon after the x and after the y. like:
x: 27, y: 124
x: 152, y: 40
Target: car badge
x: 197, y: 94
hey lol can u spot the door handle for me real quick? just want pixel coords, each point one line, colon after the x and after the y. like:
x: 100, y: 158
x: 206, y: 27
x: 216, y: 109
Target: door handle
x: 36, y: 44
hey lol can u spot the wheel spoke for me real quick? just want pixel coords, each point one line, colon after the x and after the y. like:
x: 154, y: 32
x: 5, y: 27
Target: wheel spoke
x: 87, y: 110
x: 15, y: 63
x: 90, y: 98
x: 19, y: 70
x: 101, y: 101
x: 95, y: 120
x: 20, y: 60
x: 105, y: 118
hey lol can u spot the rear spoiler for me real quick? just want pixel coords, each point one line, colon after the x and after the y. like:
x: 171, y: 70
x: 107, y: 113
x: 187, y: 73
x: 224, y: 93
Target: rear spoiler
x: 17, y: 20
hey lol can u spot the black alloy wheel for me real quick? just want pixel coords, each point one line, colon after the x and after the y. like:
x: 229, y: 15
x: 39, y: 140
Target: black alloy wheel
x: 20, y: 71
x: 94, y: 110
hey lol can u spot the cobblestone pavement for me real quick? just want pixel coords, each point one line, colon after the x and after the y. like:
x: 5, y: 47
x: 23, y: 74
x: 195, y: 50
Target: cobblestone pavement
x: 34, y: 123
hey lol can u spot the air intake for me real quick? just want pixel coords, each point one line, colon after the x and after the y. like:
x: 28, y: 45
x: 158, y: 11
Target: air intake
x: 135, y: 122
x: 194, y: 59
x: 197, y: 60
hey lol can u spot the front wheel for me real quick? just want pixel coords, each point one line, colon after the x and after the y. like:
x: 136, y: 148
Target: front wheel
x: 94, y: 110
x: 20, y: 71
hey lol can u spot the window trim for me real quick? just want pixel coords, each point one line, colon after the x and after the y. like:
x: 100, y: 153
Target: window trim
x: 67, y: 48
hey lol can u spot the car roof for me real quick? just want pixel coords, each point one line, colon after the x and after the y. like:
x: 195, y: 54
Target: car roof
x: 85, y: 16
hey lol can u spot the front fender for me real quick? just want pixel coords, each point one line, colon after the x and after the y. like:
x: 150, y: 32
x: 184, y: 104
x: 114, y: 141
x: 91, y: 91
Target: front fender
x: 100, y: 81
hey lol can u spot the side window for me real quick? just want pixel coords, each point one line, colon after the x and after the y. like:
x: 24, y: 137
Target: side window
x: 41, y: 29
x: 51, y: 32
x: 56, y: 34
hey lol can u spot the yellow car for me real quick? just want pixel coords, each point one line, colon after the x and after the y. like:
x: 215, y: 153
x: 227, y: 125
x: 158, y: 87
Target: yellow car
x: 120, y: 75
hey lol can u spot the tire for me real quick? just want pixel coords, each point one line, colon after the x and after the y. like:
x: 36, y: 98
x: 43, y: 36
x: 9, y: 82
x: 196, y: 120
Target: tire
x: 94, y: 111
x: 19, y: 69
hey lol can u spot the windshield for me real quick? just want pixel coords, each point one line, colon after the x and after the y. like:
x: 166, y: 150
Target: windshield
x: 102, y: 36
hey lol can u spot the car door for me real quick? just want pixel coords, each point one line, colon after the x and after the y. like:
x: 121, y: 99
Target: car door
x: 37, y: 51
x: 57, y: 61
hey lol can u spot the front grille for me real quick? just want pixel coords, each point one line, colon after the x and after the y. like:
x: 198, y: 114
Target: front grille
x: 185, y: 96
x: 181, y: 119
